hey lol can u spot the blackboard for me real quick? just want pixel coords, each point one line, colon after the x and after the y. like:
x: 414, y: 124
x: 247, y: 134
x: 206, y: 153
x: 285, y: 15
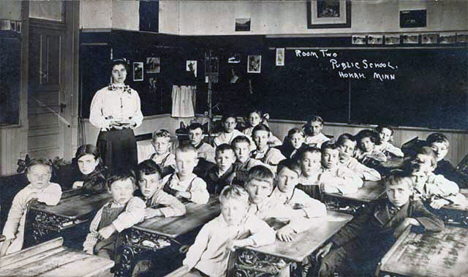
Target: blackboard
x: 426, y: 87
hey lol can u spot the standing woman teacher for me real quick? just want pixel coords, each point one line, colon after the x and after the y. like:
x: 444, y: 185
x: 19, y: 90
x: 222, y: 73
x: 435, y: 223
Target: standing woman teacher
x: 116, y: 111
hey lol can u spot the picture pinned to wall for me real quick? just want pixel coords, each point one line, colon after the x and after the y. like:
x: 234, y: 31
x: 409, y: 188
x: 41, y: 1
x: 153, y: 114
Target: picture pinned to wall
x: 375, y: 39
x: 280, y: 52
x: 359, y: 40
x: 448, y: 38
x: 328, y: 14
x: 254, y: 64
x: 153, y: 65
x: 410, y: 38
x: 234, y: 58
x: 392, y: 39
x: 138, y: 71
x: 191, y: 66
x: 413, y: 19
x: 429, y: 38
x: 242, y: 25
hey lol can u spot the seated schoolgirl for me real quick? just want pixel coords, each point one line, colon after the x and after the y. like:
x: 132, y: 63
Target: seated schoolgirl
x: 89, y: 176
x: 229, y: 132
x: 254, y: 118
x: 368, y: 154
x: 293, y: 143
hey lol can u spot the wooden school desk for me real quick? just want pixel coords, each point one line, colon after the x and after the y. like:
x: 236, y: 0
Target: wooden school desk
x: 272, y: 259
x: 51, y: 259
x: 70, y: 218
x: 157, y: 233
x: 455, y: 214
x: 351, y: 203
x: 443, y: 254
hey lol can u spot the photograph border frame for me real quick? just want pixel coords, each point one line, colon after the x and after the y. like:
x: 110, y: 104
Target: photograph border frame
x: 142, y: 71
x: 313, y: 24
x: 259, y: 66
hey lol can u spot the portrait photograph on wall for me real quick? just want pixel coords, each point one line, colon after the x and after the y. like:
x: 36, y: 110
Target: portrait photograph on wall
x: 138, y: 71
x: 328, y: 14
x: 254, y: 64
x: 153, y: 65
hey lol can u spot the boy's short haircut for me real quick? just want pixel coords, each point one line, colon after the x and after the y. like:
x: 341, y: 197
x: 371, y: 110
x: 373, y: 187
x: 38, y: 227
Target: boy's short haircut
x: 367, y: 134
x: 308, y: 149
x: 226, y: 116
x: 260, y: 127
x: 120, y: 176
x: 398, y: 178
x: 437, y: 138
x: 343, y: 138
x: 380, y: 128
x: 294, y: 131
x: 224, y: 147
x: 315, y: 118
x: 239, y: 139
x: 234, y: 192
x: 427, y: 151
x: 289, y: 164
x: 328, y: 145
x: 185, y: 148
x: 195, y: 126
x: 148, y: 167
x: 260, y: 173
x: 162, y: 133
x: 39, y: 161
x: 257, y: 111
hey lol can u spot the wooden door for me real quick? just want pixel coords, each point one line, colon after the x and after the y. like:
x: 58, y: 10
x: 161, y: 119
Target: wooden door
x: 49, y: 121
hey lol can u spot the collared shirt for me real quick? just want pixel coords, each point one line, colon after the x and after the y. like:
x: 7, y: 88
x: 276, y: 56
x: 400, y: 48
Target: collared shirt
x: 209, y: 253
x: 164, y: 160
x: 115, y: 103
x: 224, y: 137
x: 133, y: 214
x: 195, y: 185
x: 172, y: 206
x: 340, y: 180
x: 317, y: 140
x: 14, y: 226
x: 433, y: 185
x: 270, y: 157
x: 272, y: 140
x: 366, y: 173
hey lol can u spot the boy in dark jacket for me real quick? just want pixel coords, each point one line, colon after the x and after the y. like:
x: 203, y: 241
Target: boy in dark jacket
x: 358, y: 247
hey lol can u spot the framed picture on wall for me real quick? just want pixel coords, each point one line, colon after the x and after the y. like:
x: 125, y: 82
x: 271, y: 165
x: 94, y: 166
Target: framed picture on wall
x: 138, y: 71
x: 328, y: 14
x: 279, y: 56
x: 254, y: 64
x: 153, y: 65
x: 191, y: 66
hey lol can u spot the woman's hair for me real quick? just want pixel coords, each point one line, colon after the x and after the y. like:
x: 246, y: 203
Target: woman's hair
x: 343, y: 138
x: 366, y: 134
x: 117, y: 62
x: 257, y: 111
x: 87, y: 149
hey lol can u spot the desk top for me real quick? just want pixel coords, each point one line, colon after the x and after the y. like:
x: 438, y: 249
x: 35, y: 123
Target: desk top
x: 172, y: 227
x: 75, y: 206
x: 441, y: 254
x: 309, y: 241
x: 51, y: 259
x: 459, y: 207
x: 370, y: 191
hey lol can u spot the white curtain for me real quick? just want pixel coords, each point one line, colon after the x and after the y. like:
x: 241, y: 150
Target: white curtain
x: 183, y: 101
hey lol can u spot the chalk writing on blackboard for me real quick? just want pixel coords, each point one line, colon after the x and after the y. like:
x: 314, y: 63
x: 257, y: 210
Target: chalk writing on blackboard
x: 362, y: 69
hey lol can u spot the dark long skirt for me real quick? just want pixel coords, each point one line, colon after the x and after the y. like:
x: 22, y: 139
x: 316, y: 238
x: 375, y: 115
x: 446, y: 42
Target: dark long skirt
x: 118, y: 149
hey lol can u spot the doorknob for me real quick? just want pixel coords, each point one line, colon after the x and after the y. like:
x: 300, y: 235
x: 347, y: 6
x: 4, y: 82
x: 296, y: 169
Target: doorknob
x: 62, y: 107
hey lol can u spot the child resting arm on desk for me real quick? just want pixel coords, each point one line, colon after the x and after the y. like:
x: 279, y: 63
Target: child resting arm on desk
x: 122, y: 212
x: 40, y: 188
x: 151, y: 190
x: 209, y: 254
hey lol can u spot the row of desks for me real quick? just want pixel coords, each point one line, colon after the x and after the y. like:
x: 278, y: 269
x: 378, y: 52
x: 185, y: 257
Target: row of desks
x: 150, y: 236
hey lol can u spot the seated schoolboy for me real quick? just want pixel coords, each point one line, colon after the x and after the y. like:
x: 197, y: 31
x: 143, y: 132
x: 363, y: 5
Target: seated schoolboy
x: 362, y: 243
x: 254, y: 118
x: 204, y: 150
x: 434, y: 189
x: 224, y: 172
x: 209, y: 255
x: 336, y: 178
x: 368, y: 154
x: 347, y: 145
x: 293, y: 204
x: 310, y: 159
x: 293, y: 143
x: 229, y: 132
x: 184, y: 183
x: 441, y: 145
x: 313, y: 131
x: 264, y: 153
x: 122, y: 212
x: 162, y: 156
x: 89, y: 176
x: 151, y: 190
x: 39, y: 188
x: 244, y: 162
x: 384, y: 142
